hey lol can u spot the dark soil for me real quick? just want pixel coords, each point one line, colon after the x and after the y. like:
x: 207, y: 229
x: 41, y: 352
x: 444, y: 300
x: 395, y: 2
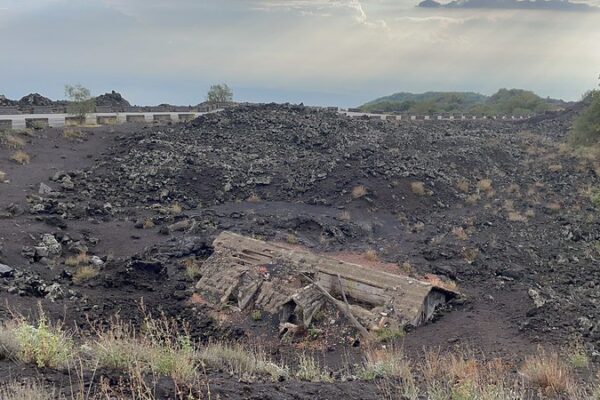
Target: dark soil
x: 526, y: 258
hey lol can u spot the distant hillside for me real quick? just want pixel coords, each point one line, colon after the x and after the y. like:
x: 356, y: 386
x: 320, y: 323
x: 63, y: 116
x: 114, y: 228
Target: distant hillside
x: 505, y: 101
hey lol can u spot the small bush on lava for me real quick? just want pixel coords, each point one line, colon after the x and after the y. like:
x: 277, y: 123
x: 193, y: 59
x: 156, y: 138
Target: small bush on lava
x: 45, y: 345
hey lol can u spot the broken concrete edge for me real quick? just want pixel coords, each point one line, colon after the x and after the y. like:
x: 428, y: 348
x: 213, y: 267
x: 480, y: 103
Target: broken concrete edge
x: 269, y: 277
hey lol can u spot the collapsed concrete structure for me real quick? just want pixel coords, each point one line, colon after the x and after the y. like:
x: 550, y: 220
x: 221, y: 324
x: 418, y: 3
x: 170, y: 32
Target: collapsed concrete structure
x: 295, y: 284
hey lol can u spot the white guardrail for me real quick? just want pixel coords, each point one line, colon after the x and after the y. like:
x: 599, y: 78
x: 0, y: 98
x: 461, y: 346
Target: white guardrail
x: 19, y: 121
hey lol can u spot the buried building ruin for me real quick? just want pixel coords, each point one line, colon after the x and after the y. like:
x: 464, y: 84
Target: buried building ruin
x: 295, y: 284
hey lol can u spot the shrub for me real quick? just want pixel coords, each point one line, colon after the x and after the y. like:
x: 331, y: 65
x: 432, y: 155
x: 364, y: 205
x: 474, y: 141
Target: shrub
x: 256, y: 315
x: 388, y: 334
x: 81, y: 102
x: 44, y: 345
x: 586, y: 128
x: 193, y: 270
x: 20, y: 157
x: 220, y: 93
x: 577, y: 355
x: 595, y: 197
x: 290, y: 238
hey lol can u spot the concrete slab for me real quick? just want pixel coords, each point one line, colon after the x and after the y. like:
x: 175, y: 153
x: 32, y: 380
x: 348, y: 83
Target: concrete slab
x: 37, y: 123
x: 135, y: 118
x: 106, y: 119
x: 162, y: 117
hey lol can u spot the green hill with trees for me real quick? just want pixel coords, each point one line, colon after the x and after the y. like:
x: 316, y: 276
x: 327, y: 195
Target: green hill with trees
x: 505, y: 101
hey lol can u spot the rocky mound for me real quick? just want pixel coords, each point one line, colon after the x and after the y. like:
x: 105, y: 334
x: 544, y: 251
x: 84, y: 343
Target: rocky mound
x: 112, y: 99
x: 35, y: 99
x: 4, y: 102
x: 497, y: 206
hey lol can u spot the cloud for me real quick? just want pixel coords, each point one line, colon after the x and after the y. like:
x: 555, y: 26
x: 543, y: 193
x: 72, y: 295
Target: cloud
x: 556, y: 5
x: 291, y: 50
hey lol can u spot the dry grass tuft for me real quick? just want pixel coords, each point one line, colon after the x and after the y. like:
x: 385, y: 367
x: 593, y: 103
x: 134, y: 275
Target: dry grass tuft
x: 193, y: 268
x: 239, y: 361
x: 470, y: 255
x: 175, y: 209
x: 11, y: 141
x: 463, y: 186
x: 472, y: 199
x: 513, y: 188
x: 418, y: 188
x: 254, y: 198
x: 345, y: 216
x: 75, y: 261
x: 530, y: 213
x: 30, y: 390
x: 548, y: 372
x: 359, y: 191
x: 371, y: 255
x: 553, y: 206
x: 460, y: 233
x: 84, y: 274
x: 310, y: 370
x: 160, y: 349
x: 484, y: 185
x: 20, y: 157
x: 290, y: 238
x: 148, y: 224
x: 72, y: 133
x: 555, y: 167
x: 514, y: 216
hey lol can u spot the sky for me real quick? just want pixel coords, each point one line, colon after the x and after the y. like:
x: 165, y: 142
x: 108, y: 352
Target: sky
x: 319, y: 52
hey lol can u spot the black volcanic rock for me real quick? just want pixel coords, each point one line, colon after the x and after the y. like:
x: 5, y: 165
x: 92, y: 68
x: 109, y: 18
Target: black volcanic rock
x: 4, y: 102
x: 35, y: 99
x: 112, y: 99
